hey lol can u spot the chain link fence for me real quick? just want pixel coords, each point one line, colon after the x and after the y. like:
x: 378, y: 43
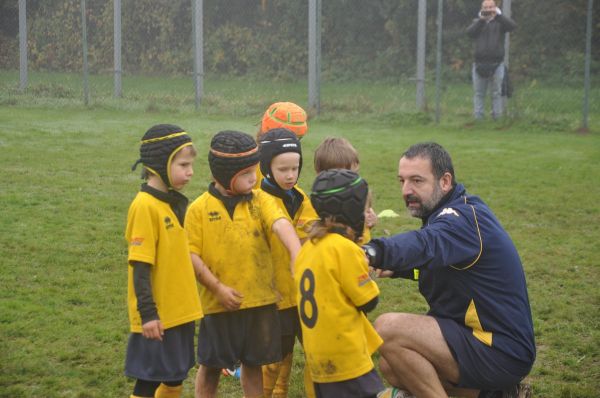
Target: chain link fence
x: 176, y: 51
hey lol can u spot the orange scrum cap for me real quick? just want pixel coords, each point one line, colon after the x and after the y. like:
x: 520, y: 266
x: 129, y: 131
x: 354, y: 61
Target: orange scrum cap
x: 287, y: 115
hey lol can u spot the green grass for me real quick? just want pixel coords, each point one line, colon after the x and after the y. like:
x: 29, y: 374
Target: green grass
x: 66, y: 185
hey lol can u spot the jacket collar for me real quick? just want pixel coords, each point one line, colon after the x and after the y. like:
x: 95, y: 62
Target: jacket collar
x: 454, y: 193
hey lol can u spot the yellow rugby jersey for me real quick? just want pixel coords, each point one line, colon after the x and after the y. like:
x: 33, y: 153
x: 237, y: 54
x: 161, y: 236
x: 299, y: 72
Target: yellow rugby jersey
x: 259, y: 178
x: 235, y: 250
x: 284, y: 280
x: 155, y: 237
x: 332, y: 279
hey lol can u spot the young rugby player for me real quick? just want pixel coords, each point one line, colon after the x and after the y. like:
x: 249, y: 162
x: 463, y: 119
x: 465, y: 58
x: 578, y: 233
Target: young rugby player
x: 285, y: 115
x: 281, y: 163
x: 335, y: 291
x: 228, y: 229
x: 338, y: 153
x: 162, y: 294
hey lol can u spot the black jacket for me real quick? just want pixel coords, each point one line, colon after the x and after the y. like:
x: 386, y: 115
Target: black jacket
x: 489, y: 38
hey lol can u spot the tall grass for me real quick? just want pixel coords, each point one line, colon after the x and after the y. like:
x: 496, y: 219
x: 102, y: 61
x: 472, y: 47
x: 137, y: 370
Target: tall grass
x: 66, y: 185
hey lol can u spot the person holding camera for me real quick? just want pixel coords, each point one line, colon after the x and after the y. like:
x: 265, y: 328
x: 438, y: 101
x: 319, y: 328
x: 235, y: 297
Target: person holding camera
x: 488, y: 31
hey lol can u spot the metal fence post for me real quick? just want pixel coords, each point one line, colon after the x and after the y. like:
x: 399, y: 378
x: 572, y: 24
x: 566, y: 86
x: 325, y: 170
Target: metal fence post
x: 118, y: 92
x: 506, y: 10
x: 314, y: 55
x: 22, y: 45
x: 197, y: 24
x: 422, y: 21
x: 86, y: 88
x: 588, y: 56
x: 438, y: 61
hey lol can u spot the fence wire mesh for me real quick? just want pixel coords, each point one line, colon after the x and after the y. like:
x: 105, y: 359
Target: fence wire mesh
x: 368, y: 54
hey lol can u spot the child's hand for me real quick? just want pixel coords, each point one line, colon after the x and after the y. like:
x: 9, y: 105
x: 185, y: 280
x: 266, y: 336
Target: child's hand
x: 229, y: 298
x: 370, y: 217
x: 153, y: 330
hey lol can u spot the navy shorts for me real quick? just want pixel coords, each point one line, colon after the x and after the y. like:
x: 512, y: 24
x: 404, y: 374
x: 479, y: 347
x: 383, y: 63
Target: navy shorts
x: 251, y: 336
x: 365, y: 386
x: 481, y: 367
x: 166, y: 360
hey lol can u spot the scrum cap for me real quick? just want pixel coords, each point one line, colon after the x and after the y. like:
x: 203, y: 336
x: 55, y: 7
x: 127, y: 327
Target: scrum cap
x: 287, y: 115
x: 159, y: 145
x: 275, y: 142
x: 231, y: 152
x: 342, y: 195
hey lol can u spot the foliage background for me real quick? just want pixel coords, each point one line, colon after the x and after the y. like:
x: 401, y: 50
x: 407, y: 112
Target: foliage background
x: 360, y: 39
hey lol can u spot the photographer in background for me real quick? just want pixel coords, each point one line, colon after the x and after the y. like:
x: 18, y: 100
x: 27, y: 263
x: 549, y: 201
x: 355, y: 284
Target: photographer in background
x: 488, y: 69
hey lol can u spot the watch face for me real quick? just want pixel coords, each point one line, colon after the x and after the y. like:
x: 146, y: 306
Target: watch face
x: 370, y: 252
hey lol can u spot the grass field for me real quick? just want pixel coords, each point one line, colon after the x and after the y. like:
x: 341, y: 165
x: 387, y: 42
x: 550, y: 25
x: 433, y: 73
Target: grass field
x: 66, y: 185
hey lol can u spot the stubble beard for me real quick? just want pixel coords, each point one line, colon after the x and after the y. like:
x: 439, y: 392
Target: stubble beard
x: 425, y: 208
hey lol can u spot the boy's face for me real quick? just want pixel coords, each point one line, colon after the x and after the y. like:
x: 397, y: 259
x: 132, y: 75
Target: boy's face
x: 244, y: 181
x: 285, y: 168
x: 182, y: 168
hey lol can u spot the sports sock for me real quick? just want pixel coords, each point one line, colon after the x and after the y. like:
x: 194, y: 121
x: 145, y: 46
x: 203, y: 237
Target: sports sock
x: 165, y: 391
x: 270, y: 373
x: 283, y: 380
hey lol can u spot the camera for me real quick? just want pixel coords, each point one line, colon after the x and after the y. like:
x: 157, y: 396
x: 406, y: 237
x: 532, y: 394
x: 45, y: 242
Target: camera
x: 486, y: 13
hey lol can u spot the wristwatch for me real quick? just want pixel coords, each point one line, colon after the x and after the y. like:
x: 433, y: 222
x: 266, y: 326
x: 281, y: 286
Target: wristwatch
x: 371, y: 254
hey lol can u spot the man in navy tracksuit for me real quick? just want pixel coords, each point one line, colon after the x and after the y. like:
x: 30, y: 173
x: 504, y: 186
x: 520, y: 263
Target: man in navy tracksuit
x: 477, y: 338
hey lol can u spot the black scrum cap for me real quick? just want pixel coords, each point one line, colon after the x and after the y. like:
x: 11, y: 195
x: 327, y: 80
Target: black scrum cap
x: 159, y: 145
x: 342, y: 195
x: 230, y: 153
x: 275, y: 142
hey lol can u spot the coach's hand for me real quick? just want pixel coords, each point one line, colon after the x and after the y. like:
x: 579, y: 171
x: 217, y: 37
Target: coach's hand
x: 229, y: 298
x: 153, y: 330
x: 382, y: 273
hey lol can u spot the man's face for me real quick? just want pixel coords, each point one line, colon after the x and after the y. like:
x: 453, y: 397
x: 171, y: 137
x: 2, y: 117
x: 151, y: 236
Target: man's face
x: 488, y: 8
x: 420, y: 189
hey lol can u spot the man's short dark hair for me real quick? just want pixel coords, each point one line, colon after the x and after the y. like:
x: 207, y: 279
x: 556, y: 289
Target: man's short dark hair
x: 440, y: 159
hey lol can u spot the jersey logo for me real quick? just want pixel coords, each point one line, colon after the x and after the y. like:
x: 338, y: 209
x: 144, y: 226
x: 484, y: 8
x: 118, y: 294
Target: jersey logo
x: 214, y: 216
x: 363, y: 279
x: 168, y: 223
x: 137, y: 241
x: 448, y: 210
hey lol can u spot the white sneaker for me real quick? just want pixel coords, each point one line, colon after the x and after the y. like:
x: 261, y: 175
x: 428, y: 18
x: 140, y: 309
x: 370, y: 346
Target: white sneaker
x: 393, y: 392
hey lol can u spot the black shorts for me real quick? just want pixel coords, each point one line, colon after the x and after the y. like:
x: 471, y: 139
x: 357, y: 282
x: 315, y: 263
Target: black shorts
x: 481, y: 367
x: 166, y: 360
x: 365, y: 386
x: 290, y: 329
x: 251, y: 336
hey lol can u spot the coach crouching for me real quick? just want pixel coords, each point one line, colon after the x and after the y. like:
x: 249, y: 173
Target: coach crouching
x: 477, y: 338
